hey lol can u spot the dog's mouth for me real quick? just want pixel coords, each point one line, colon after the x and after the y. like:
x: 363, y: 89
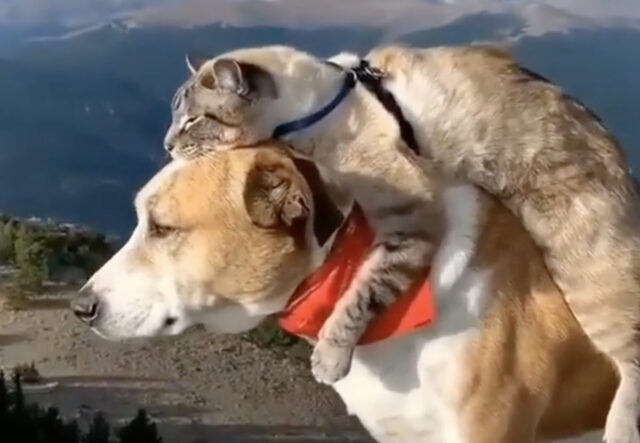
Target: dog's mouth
x: 164, y: 334
x: 128, y: 325
x: 194, y: 329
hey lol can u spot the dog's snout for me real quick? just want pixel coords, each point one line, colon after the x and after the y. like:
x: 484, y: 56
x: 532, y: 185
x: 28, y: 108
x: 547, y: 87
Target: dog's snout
x: 86, y: 306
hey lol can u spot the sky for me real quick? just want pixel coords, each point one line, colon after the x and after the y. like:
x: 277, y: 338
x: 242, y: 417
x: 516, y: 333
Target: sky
x: 414, y: 13
x: 67, y: 12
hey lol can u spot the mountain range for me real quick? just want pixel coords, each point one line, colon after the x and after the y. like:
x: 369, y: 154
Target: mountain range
x: 84, y: 110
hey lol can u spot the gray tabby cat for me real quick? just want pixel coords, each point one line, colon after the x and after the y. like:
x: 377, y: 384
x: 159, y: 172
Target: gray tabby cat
x: 478, y: 115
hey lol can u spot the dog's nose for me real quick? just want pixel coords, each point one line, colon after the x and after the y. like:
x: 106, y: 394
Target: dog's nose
x: 85, y: 306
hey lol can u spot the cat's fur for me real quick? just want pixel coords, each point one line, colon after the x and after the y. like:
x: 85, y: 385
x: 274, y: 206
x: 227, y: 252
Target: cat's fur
x: 480, y: 116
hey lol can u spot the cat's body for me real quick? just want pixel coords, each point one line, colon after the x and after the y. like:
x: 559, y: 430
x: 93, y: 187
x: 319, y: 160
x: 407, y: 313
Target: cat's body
x: 478, y: 115
x: 554, y: 164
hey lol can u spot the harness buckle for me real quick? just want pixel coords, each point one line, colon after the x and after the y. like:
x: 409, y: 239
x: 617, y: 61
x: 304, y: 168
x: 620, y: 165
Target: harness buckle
x: 366, y: 73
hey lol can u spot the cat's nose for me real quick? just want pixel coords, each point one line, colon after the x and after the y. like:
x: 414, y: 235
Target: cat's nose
x: 168, y: 146
x: 169, y: 141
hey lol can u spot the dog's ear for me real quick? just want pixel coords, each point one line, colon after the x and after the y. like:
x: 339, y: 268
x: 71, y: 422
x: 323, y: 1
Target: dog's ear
x: 327, y: 216
x: 275, y: 195
x: 280, y: 191
x: 245, y: 79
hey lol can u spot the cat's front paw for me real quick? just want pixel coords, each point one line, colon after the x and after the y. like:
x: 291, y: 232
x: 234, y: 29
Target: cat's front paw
x: 330, y: 363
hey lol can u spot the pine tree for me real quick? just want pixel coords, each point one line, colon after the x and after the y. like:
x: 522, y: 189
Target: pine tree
x: 98, y: 430
x: 21, y: 423
x: 4, y: 401
x: 17, y: 399
x: 140, y: 430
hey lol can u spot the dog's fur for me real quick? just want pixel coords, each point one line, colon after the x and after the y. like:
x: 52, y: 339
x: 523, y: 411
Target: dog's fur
x: 505, y: 362
x: 479, y: 116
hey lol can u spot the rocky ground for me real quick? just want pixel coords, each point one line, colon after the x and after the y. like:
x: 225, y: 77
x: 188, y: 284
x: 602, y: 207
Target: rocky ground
x: 198, y: 387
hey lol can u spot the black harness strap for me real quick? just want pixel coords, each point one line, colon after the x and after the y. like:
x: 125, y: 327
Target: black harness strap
x: 371, y: 78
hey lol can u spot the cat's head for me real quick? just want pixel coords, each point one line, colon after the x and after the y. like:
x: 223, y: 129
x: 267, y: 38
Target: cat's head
x: 238, y: 98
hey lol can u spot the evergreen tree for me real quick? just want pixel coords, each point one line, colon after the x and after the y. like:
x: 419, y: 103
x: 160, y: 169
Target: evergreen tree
x: 4, y: 401
x: 140, y: 430
x: 21, y: 423
x: 98, y: 431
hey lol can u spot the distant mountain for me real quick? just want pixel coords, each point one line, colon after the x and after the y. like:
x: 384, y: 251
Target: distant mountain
x: 82, y: 118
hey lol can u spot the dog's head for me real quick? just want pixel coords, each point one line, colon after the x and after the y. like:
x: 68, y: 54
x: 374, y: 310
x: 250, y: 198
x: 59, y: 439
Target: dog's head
x: 221, y: 241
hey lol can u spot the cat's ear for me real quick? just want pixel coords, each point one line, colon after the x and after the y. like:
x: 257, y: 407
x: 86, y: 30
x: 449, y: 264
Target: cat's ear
x: 245, y: 79
x: 195, y: 61
x: 280, y: 192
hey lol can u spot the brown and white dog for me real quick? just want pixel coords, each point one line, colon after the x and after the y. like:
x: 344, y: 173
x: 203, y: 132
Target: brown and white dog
x: 225, y: 239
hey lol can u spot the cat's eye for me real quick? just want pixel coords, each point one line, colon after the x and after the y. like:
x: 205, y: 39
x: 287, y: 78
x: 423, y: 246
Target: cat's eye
x: 216, y: 119
x: 157, y: 230
x: 190, y: 122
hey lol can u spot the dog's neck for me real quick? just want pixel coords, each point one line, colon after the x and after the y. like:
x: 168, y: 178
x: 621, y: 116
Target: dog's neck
x: 321, y: 291
x: 261, y: 308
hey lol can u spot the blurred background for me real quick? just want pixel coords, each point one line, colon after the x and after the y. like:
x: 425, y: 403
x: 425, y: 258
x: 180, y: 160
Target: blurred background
x: 85, y: 85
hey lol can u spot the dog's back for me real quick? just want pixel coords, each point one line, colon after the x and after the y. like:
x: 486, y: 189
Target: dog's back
x: 532, y: 361
x: 506, y: 360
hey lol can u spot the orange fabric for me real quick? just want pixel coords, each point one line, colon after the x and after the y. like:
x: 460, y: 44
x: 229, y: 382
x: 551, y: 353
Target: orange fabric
x: 313, y: 301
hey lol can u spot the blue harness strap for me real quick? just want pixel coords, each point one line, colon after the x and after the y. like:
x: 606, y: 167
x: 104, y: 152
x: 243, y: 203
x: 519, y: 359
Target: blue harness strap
x: 370, y: 78
x: 305, y: 122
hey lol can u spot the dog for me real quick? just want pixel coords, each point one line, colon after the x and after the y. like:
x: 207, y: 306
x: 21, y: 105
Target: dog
x: 477, y: 115
x: 226, y: 239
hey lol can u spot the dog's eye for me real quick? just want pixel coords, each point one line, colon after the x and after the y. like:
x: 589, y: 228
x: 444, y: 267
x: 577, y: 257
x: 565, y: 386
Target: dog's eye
x: 157, y: 230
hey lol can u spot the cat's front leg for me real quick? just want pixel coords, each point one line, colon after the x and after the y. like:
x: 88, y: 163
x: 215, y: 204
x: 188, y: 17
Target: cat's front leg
x: 390, y: 269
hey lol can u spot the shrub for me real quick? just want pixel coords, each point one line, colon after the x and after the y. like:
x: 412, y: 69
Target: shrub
x: 42, y: 250
x: 30, y: 259
x: 7, y: 238
x: 16, y: 298
x: 269, y: 335
x: 27, y: 373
